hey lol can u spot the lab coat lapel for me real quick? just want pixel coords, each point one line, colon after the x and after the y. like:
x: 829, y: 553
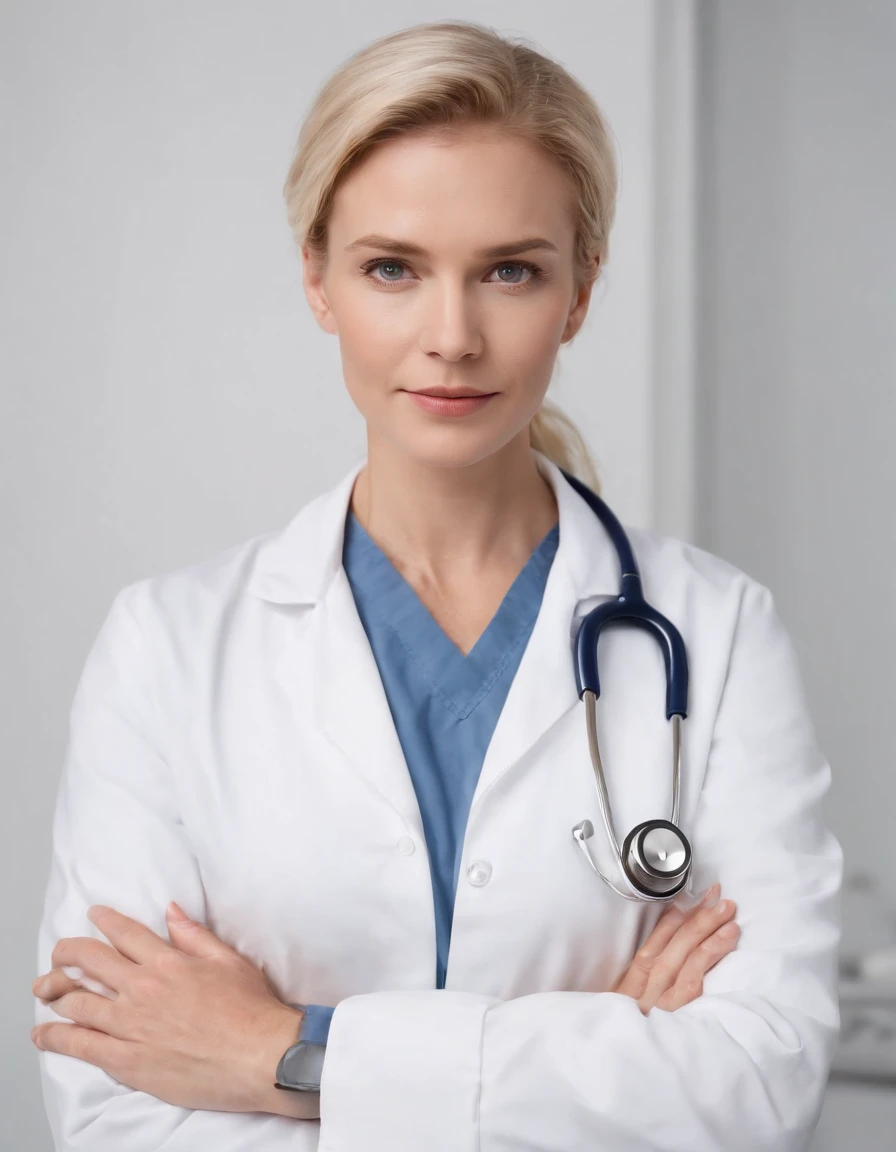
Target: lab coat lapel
x: 331, y: 677
x: 326, y: 667
x: 328, y: 671
x: 585, y: 569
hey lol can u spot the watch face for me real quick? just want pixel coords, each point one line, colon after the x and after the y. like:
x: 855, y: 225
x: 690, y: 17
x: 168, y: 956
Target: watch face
x: 301, y: 1065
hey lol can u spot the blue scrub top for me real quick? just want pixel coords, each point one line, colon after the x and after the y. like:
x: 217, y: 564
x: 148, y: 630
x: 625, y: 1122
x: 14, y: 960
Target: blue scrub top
x: 445, y: 705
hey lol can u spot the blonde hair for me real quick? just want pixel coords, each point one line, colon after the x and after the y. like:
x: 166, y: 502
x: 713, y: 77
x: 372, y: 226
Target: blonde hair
x: 440, y: 76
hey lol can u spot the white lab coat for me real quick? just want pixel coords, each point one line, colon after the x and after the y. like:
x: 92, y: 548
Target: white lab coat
x: 231, y: 748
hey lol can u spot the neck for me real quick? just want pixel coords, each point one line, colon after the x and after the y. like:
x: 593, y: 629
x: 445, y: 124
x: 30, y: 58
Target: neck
x: 446, y: 525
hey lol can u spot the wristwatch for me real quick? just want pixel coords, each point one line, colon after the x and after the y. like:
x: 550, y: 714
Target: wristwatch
x: 299, y: 1069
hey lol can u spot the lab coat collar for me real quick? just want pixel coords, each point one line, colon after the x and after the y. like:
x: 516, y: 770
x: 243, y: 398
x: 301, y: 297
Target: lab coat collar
x: 328, y: 673
x: 297, y: 564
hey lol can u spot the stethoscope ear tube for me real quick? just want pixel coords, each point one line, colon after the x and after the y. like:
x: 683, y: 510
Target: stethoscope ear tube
x: 633, y: 610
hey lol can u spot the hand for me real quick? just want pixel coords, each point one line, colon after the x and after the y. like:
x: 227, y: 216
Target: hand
x: 668, y: 969
x: 192, y: 1023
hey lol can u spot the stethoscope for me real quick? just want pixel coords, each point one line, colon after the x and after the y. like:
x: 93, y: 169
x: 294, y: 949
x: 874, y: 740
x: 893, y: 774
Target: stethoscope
x: 655, y: 858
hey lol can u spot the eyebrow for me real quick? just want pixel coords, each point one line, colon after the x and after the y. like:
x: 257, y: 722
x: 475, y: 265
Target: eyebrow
x: 404, y: 248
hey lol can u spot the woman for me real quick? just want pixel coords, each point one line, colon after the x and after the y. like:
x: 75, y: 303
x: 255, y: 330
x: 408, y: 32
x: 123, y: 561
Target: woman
x: 343, y: 745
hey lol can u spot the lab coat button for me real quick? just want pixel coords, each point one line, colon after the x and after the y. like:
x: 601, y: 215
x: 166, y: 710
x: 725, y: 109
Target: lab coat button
x: 479, y: 872
x: 406, y: 846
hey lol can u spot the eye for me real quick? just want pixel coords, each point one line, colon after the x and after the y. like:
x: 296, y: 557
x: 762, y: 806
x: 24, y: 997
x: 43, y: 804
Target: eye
x: 532, y: 269
x: 387, y: 262
x: 371, y: 264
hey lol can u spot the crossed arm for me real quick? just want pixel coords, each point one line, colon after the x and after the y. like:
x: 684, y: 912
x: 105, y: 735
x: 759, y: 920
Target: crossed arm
x: 742, y: 1067
x: 197, y: 1025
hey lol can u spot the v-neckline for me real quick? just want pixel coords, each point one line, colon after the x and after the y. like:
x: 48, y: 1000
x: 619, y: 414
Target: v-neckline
x: 463, y: 681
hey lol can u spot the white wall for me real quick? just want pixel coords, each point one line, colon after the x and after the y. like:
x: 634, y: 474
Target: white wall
x: 797, y: 409
x: 158, y: 355
x: 798, y: 347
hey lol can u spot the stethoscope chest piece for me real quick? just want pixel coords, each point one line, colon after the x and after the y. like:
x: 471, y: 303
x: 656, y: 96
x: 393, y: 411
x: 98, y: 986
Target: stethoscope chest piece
x: 656, y: 857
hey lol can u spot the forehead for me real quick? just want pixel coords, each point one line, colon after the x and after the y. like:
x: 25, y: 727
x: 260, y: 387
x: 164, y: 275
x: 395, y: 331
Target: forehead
x: 473, y: 185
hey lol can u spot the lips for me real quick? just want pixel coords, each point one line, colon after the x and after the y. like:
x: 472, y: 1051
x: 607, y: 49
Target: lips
x: 467, y: 393
x: 458, y: 404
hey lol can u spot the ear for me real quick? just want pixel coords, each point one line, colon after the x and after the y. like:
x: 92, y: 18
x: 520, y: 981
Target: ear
x: 313, y: 283
x: 579, y: 310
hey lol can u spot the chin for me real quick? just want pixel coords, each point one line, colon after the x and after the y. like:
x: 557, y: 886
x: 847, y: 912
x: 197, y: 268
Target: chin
x: 448, y: 449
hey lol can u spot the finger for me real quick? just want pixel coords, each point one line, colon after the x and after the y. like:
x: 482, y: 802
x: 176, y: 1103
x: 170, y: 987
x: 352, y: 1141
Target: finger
x: 129, y: 937
x: 86, y: 1044
x: 668, y: 968
x: 88, y: 1009
x: 693, y: 904
x: 673, y: 918
x: 635, y: 980
x: 682, y: 992
x: 665, y: 969
x: 705, y: 956
x: 194, y: 937
x: 55, y: 984
x: 94, y: 957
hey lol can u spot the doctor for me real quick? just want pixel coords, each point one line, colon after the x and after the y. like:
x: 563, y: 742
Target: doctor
x: 345, y: 745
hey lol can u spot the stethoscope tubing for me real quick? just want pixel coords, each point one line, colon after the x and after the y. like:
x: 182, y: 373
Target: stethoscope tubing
x: 656, y: 856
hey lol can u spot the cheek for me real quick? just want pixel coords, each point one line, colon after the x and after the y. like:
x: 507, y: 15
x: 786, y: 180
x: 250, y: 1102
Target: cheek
x: 528, y: 329
x: 532, y: 342
x: 525, y: 345
x: 372, y: 339
x: 372, y: 364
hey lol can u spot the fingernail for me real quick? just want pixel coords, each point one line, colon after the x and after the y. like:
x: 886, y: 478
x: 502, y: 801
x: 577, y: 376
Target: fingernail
x: 712, y: 896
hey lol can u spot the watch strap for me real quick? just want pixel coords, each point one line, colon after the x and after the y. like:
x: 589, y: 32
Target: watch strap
x: 301, y: 1065
x: 315, y: 1026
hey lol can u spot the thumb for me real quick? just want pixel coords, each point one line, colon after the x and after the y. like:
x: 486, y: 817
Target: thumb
x: 192, y: 936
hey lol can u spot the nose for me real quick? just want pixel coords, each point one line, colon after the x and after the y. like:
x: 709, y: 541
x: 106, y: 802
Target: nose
x: 452, y: 328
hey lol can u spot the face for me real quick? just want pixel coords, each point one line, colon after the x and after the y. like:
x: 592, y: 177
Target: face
x: 450, y: 315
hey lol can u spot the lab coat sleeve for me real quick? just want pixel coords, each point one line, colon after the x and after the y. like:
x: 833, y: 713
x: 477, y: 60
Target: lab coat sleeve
x: 118, y: 840
x: 741, y: 1069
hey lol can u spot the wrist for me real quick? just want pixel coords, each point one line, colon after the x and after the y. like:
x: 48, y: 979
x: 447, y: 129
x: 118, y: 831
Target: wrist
x: 278, y: 1033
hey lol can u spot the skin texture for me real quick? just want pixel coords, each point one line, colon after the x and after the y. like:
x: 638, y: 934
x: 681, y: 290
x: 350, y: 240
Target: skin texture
x: 668, y: 969
x: 191, y: 1022
x: 458, y: 505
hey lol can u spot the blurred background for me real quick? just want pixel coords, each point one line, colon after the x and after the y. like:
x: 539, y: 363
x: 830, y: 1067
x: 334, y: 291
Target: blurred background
x: 166, y: 392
